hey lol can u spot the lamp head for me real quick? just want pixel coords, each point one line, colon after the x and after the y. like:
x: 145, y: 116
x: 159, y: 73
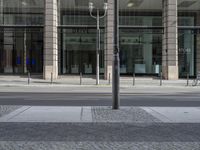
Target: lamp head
x: 105, y: 6
x: 91, y: 6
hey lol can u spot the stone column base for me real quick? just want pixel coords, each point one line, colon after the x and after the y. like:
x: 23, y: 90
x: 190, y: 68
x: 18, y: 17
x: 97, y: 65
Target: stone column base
x: 170, y: 72
x: 48, y: 73
x: 198, y: 67
x: 108, y: 73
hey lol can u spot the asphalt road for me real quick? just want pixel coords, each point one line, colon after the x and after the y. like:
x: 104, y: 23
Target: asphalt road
x: 191, y: 99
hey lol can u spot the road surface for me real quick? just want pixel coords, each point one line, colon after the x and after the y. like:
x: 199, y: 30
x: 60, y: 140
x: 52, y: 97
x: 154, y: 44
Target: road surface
x: 191, y: 99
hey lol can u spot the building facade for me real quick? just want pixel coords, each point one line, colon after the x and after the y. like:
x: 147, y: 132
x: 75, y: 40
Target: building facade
x: 59, y: 37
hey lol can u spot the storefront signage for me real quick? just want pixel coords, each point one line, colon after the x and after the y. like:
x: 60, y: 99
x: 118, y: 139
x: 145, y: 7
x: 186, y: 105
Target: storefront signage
x: 184, y: 50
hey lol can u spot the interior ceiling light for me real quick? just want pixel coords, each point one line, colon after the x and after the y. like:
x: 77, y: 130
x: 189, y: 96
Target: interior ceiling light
x: 28, y: 2
x: 134, y: 3
x: 130, y: 3
x: 24, y: 3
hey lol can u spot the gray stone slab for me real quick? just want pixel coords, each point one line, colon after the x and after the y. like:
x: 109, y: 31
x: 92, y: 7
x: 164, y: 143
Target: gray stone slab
x: 49, y: 114
x: 6, y: 109
x: 175, y: 114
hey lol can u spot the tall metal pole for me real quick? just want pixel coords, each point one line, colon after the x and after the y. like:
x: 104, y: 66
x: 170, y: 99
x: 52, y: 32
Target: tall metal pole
x: 116, y: 74
x: 98, y: 42
x: 25, y: 53
x: 98, y: 49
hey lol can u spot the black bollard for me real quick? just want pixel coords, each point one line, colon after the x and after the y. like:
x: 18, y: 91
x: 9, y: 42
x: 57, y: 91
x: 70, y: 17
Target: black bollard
x: 133, y: 79
x: 161, y: 74
x: 80, y: 78
x: 109, y: 79
x: 188, y: 79
x: 29, y: 78
x: 51, y: 78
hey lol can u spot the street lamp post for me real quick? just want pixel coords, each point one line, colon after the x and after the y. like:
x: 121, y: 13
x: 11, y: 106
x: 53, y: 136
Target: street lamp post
x: 116, y: 68
x: 98, y: 44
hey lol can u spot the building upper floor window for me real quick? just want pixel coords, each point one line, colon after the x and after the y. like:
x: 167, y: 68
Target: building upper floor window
x: 22, y: 12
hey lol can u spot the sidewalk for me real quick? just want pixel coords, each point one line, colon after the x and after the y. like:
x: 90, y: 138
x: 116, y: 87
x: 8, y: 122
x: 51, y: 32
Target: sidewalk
x: 101, y: 128
x: 90, y: 81
x: 104, y: 114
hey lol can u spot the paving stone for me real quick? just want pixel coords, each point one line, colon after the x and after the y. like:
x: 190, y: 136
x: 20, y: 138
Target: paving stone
x: 53, y: 145
x: 124, y: 114
x: 6, y: 109
x: 101, y: 132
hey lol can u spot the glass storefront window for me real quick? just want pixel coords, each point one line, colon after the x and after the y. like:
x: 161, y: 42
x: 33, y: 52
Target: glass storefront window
x: 141, y: 13
x: 76, y: 12
x: 22, y: 12
x: 21, y: 50
x: 140, y: 36
x: 21, y: 47
x: 188, y: 41
x: 140, y: 51
x: 138, y: 48
x: 77, y: 37
x: 141, y: 21
x: 78, y: 51
x: 188, y: 13
x: 186, y: 47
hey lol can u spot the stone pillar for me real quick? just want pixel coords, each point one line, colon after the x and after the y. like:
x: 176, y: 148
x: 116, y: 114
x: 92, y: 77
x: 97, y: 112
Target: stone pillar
x: 170, y: 40
x: 198, y: 46
x: 109, y: 31
x: 50, y: 40
x: 198, y: 54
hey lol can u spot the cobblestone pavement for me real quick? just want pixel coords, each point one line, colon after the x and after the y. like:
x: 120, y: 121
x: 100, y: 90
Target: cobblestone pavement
x: 99, y: 146
x: 124, y: 114
x: 92, y: 136
x: 119, y: 132
x: 5, y: 109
